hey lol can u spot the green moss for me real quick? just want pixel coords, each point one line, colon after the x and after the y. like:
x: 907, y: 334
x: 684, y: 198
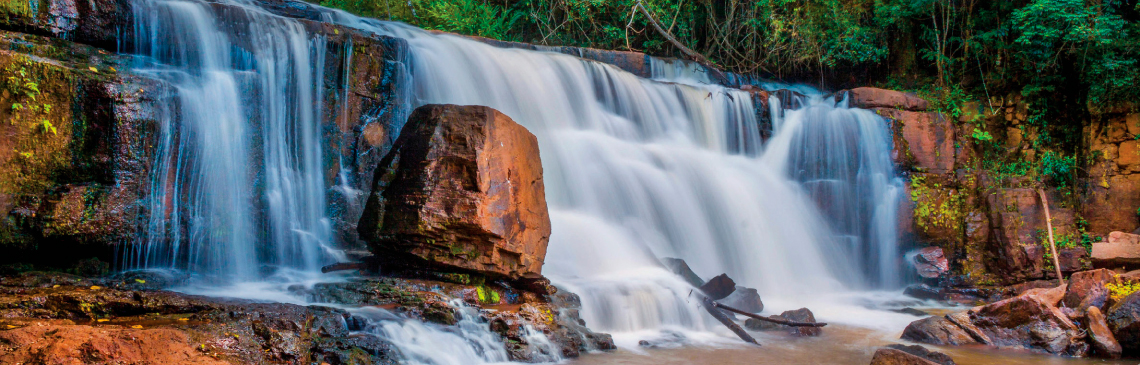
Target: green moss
x: 936, y: 206
x: 18, y: 8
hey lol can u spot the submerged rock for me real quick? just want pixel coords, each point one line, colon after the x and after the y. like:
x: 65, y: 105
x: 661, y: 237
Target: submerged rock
x: 909, y: 355
x: 462, y: 189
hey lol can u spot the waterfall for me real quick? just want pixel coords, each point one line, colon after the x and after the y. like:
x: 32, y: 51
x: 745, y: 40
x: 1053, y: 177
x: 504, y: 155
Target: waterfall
x: 636, y: 169
x: 238, y: 180
x: 639, y: 169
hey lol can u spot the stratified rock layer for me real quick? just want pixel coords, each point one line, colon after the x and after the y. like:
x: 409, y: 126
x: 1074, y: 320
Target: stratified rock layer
x: 462, y: 188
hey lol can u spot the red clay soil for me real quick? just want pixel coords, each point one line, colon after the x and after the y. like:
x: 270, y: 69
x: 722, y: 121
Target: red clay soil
x: 52, y: 344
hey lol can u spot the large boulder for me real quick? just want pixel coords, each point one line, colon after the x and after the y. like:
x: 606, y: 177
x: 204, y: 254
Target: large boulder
x: 1120, y: 249
x: 937, y: 331
x: 1124, y: 321
x: 681, y: 268
x: 1086, y: 288
x: 1103, y: 342
x: 461, y: 189
x: 1029, y: 322
x: 870, y: 98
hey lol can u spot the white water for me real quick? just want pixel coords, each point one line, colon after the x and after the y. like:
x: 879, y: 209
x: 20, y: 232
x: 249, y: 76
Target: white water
x: 636, y: 169
x: 238, y: 181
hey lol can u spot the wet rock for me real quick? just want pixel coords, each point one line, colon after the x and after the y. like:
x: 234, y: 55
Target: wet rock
x: 911, y: 311
x: 719, y: 287
x: 937, y: 331
x: 681, y: 268
x: 870, y: 98
x: 803, y: 315
x: 963, y: 320
x: 1120, y: 249
x: 1124, y: 320
x: 1100, y: 337
x: 461, y: 188
x: 923, y: 291
x: 931, y: 263
x: 1029, y: 322
x: 762, y: 325
x: 1087, y: 288
x: 745, y: 299
x: 909, y: 355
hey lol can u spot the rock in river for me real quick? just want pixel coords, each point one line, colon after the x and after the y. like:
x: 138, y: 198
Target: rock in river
x: 461, y: 189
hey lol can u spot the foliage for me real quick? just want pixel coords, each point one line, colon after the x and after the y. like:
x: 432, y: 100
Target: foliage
x: 1057, y: 168
x: 1121, y: 288
x: 935, y: 206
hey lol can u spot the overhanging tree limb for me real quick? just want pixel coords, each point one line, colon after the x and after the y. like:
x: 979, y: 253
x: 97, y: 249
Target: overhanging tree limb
x: 694, y: 55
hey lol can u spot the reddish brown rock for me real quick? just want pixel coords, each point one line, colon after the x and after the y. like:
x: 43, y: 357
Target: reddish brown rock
x: 937, y: 331
x: 41, y: 343
x: 1103, y: 342
x: 1049, y: 296
x: 931, y: 263
x: 719, y: 287
x: 1028, y: 322
x: 1111, y: 200
x: 1128, y: 158
x: 909, y: 355
x: 802, y: 315
x: 923, y: 141
x: 870, y: 98
x: 1086, y: 288
x: 1124, y: 321
x: 1120, y: 249
x: 1073, y: 259
x: 462, y: 189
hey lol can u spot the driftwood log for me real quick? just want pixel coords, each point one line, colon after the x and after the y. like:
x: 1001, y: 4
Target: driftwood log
x: 769, y: 319
x: 711, y: 306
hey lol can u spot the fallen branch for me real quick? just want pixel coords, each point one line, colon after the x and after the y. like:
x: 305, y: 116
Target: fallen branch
x: 711, y: 306
x: 697, y: 57
x: 1052, y: 245
x: 768, y: 319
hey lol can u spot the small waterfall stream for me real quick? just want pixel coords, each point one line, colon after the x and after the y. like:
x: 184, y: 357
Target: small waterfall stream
x: 636, y: 169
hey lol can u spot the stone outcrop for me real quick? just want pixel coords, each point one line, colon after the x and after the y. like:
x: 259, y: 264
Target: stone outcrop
x: 1030, y: 321
x: 872, y: 98
x: 923, y: 142
x: 461, y: 189
x: 719, y: 287
x: 51, y: 343
x: 1118, y: 250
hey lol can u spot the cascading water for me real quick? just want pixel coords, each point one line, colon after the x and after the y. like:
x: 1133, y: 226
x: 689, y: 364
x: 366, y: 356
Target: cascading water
x: 639, y: 169
x: 238, y: 181
x: 636, y: 169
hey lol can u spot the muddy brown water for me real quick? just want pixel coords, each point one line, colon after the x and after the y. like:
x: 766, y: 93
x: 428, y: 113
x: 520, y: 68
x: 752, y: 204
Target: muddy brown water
x: 839, y: 345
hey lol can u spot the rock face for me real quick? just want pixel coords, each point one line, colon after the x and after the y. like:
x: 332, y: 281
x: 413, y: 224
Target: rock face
x: 1103, y: 342
x: 924, y: 142
x: 871, y: 98
x: 461, y: 189
x: 1120, y: 249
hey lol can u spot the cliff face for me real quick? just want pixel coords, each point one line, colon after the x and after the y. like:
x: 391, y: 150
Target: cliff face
x: 80, y: 125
